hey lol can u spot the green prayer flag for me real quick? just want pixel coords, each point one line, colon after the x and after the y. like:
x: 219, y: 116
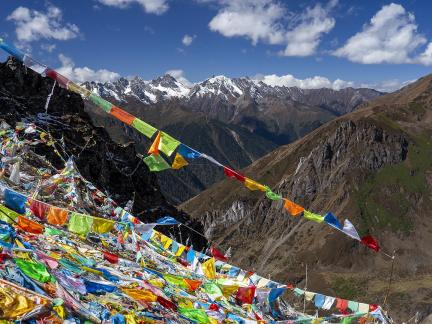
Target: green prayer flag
x: 271, y: 195
x: 175, y: 280
x: 102, y: 103
x: 80, y: 223
x: 198, y: 315
x: 7, y: 215
x: 313, y: 217
x: 52, y: 231
x: 347, y: 320
x: 34, y: 270
x: 212, y: 290
x: 168, y: 144
x: 144, y: 128
x: 156, y: 163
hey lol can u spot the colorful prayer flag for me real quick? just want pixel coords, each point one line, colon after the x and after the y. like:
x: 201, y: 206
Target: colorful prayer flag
x: 232, y: 174
x: 38, y: 208
x: 156, y: 163
x: 168, y: 144
x: 102, y: 226
x: 331, y: 219
x: 253, y: 185
x: 217, y: 254
x: 245, y: 295
x: 29, y: 226
x: 100, y: 102
x: 179, y: 162
x: 15, y: 201
x: 313, y: 217
x: 188, y: 152
x: 144, y: 128
x: 57, y: 216
x: 80, y: 223
x: 209, y: 268
x: 271, y: 195
x: 293, y: 208
x: 154, y: 148
x: 370, y: 242
x: 122, y: 115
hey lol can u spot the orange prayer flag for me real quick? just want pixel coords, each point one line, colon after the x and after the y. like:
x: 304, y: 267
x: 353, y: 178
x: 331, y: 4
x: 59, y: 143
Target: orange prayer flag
x: 57, y: 216
x: 293, y: 208
x: 154, y: 148
x: 193, y: 284
x: 122, y: 115
x: 29, y: 226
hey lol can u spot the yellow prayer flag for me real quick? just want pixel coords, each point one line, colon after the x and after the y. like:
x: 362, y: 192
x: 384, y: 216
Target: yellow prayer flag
x: 180, y: 250
x: 102, y: 226
x: 179, y: 162
x: 140, y: 294
x: 253, y: 185
x: 209, y: 268
x: 228, y: 290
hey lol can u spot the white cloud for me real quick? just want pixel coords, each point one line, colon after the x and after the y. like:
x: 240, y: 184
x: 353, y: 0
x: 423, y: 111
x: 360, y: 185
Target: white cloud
x: 83, y: 74
x: 188, y: 39
x: 157, y: 7
x: 179, y: 75
x: 315, y: 82
x: 390, y: 37
x: 32, y: 25
x: 266, y: 21
x: 48, y: 47
x: 425, y: 58
x: 304, y: 39
x: 387, y: 85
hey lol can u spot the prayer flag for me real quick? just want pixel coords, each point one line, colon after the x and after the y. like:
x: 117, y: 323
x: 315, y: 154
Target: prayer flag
x: 194, y: 314
x: 61, y: 80
x: 217, y: 254
x: 14, y: 305
x: 319, y: 300
x: 154, y: 148
x: 34, y: 270
x: 29, y: 226
x: 144, y: 128
x: 7, y: 215
x: 156, y: 163
x: 80, y: 223
x: 275, y: 293
x: 232, y: 174
x: 57, y: 216
x: 293, y: 208
x: 271, y: 195
x: 209, y: 268
x: 12, y: 50
x: 179, y: 162
x: 370, y: 242
x: 192, y: 284
x: 168, y: 144
x: 32, y: 64
x: 228, y: 290
x: 15, y: 201
x: 313, y: 217
x: 341, y: 304
x: 188, y: 152
x: 78, y: 89
x: 253, y: 185
x: 190, y: 256
x: 102, y: 226
x: 245, y: 295
x: 140, y: 294
x: 350, y: 230
x: 328, y: 302
x: 331, y: 219
x: 38, y: 208
x: 122, y: 115
x: 111, y: 258
x: 180, y: 250
x: 102, y: 103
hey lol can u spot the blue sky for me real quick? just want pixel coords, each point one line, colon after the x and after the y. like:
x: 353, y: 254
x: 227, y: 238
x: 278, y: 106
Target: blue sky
x: 305, y: 43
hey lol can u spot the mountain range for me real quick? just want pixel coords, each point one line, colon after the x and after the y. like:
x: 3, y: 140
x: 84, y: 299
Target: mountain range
x: 235, y: 120
x: 372, y: 166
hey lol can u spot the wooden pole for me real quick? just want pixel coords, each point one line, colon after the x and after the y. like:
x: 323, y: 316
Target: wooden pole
x: 390, y: 279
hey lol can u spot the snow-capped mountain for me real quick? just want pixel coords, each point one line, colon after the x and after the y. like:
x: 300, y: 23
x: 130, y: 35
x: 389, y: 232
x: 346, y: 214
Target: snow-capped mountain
x: 233, y: 92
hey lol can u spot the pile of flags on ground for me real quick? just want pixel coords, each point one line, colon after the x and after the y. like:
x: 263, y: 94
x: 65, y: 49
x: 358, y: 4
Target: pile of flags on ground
x: 59, y: 264
x: 166, y: 144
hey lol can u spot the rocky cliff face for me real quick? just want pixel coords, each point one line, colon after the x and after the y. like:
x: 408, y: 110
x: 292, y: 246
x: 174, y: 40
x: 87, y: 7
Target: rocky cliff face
x: 373, y: 167
x: 113, y: 168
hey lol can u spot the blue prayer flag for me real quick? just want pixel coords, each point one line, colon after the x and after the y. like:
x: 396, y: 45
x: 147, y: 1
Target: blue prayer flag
x: 319, y: 300
x: 15, y: 201
x: 275, y: 293
x: 167, y: 220
x: 188, y: 152
x: 331, y: 219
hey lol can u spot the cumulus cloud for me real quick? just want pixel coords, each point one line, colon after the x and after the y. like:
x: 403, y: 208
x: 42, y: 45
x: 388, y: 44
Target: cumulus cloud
x: 48, y: 47
x: 318, y: 82
x: 32, y: 25
x: 265, y: 21
x: 179, y: 75
x: 390, y: 37
x: 157, y: 7
x: 425, y: 57
x: 304, y: 39
x: 315, y: 82
x: 188, y: 39
x: 83, y: 74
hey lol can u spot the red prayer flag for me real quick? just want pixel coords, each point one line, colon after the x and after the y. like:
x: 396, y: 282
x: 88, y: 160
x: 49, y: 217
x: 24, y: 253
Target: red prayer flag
x: 166, y: 303
x: 232, y: 174
x: 122, y: 115
x: 342, y: 305
x: 62, y: 80
x: 370, y: 242
x: 214, y: 307
x: 373, y: 307
x: 245, y: 295
x: 111, y: 258
x: 218, y: 255
x: 38, y: 209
